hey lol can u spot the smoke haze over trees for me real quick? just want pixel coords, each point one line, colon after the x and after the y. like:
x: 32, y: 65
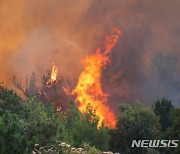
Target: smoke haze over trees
x: 145, y: 63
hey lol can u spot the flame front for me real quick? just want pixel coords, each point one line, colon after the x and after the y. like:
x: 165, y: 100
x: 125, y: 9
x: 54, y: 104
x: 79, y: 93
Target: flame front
x: 89, y: 88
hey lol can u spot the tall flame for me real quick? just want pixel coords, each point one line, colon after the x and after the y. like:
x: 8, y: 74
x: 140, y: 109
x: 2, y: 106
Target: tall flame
x: 54, y: 73
x: 89, y: 88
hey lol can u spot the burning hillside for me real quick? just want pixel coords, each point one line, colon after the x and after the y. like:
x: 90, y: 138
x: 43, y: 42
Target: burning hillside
x: 88, y: 91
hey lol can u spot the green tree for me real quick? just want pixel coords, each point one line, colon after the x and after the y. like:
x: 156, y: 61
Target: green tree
x: 13, y: 137
x: 136, y: 122
x: 82, y: 128
x: 90, y: 133
x: 44, y: 125
x: 174, y: 130
x: 163, y: 109
x: 8, y: 101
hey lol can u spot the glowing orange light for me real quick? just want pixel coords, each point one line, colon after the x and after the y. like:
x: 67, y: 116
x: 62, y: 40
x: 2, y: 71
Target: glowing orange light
x: 89, y: 88
x: 54, y: 73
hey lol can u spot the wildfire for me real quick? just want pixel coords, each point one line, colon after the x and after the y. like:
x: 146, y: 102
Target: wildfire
x: 89, y: 88
x: 54, y: 73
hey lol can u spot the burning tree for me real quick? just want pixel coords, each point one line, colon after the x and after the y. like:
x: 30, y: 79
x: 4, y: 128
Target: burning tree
x: 89, y: 89
x: 50, y: 90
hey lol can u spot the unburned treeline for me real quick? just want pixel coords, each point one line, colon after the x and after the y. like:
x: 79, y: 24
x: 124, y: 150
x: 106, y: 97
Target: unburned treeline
x: 24, y: 123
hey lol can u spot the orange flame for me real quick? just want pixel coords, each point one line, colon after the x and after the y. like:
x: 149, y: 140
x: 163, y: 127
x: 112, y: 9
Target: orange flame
x: 89, y: 88
x: 54, y: 73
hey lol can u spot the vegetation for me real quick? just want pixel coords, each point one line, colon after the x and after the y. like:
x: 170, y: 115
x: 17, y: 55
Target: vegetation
x: 163, y: 109
x: 26, y: 123
x: 136, y: 122
x: 174, y: 131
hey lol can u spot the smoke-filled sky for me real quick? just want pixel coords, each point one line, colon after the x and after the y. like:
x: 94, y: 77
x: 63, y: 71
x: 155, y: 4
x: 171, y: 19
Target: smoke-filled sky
x: 145, y: 62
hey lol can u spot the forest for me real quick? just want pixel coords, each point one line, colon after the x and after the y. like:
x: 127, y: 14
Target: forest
x: 33, y: 126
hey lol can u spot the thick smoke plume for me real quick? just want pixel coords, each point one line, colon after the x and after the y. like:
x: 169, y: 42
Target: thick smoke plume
x: 145, y: 63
